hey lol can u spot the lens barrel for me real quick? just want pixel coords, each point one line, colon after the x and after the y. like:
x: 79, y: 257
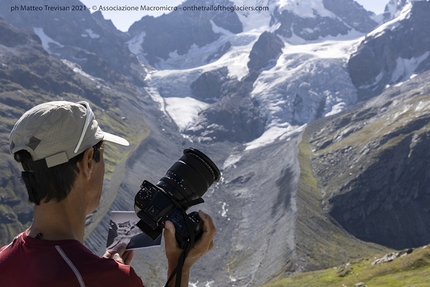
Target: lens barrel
x: 190, y: 177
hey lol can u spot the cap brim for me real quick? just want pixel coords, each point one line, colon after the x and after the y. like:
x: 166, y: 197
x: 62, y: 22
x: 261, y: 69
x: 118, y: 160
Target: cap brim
x: 115, y: 139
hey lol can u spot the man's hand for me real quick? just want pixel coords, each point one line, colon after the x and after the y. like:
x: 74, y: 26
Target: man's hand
x: 200, y: 248
x: 120, y: 254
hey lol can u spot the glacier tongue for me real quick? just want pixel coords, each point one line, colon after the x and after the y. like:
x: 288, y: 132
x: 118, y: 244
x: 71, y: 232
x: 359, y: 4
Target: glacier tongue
x: 307, y: 82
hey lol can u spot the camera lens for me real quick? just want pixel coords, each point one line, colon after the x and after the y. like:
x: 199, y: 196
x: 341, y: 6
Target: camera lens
x: 190, y: 177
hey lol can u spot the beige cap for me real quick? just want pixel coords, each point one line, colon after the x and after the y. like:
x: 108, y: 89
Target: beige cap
x: 55, y: 132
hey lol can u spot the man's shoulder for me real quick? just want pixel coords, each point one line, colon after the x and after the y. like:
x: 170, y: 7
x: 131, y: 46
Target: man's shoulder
x: 68, y: 257
x: 15, y: 241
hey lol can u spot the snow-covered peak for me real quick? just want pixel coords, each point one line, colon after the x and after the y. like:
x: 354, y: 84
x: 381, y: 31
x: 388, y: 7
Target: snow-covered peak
x: 399, y: 15
x: 305, y: 8
x: 304, y: 81
x: 395, y: 8
x: 261, y: 20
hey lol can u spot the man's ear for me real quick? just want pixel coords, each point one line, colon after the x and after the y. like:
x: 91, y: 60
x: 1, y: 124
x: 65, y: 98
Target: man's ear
x: 87, y: 164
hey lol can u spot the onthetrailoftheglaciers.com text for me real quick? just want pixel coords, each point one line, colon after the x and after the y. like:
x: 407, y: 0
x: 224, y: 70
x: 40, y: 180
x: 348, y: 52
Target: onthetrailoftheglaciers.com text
x: 231, y: 8
x: 126, y: 8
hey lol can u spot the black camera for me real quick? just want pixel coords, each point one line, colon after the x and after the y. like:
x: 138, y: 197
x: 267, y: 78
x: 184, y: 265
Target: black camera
x: 182, y: 187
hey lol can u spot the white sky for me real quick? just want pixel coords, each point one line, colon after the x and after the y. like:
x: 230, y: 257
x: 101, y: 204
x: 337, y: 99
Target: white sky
x: 123, y: 20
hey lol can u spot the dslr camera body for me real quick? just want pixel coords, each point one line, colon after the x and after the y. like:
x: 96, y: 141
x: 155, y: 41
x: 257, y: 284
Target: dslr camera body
x: 182, y: 187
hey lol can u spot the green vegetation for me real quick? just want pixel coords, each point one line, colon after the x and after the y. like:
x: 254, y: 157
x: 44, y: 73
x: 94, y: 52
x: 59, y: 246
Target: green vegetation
x: 410, y: 270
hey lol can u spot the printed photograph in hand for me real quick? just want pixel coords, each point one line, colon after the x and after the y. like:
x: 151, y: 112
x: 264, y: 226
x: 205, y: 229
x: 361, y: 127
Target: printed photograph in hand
x: 122, y: 228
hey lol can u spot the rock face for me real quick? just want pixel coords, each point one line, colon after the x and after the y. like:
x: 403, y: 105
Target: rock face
x: 348, y: 15
x: 383, y: 58
x: 208, y: 85
x: 352, y: 14
x: 235, y: 117
x: 391, y: 197
x: 177, y: 32
x: 12, y: 37
x: 393, y: 8
x: 376, y: 187
x: 265, y: 52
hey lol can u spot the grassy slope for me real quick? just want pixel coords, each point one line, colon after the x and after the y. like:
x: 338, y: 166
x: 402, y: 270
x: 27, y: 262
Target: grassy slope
x: 320, y: 241
x: 411, y: 270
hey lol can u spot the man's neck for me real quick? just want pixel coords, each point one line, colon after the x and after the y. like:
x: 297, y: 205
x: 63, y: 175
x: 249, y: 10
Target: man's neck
x: 58, y: 221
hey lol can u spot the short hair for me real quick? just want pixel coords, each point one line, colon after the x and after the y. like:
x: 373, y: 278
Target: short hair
x: 53, y: 183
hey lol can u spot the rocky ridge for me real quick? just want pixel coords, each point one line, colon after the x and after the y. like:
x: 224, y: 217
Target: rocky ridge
x: 371, y: 165
x: 79, y: 37
x: 382, y: 58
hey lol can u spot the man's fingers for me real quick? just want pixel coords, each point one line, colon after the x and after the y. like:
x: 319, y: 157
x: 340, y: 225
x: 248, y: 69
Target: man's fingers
x: 205, y: 243
x: 120, y: 248
x: 111, y: 254
x: 209, y: 229
x: 127, y: 257
x: 169, y: 231
x: 117, y: 252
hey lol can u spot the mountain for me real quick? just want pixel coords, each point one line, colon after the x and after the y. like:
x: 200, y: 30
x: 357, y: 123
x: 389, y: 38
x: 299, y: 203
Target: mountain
x: 315, y: 111
x: 29, y: 75
x: 383, y: 59
x: 394, y: 8
x: 178, y: 32
x: 156, y: 40
x: 371, y: 164
x: 79, y: 37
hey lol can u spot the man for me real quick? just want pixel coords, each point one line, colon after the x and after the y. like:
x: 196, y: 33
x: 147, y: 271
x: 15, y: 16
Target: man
x: 59, y: 149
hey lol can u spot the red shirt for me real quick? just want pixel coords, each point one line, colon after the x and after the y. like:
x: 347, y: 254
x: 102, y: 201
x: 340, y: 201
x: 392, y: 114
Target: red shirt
x: 31, y: 262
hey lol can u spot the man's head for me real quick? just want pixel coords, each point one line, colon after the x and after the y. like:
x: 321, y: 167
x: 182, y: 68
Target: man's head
x: 49, y: 140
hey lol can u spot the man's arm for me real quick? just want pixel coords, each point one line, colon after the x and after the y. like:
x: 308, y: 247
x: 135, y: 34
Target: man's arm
x: 200, y: 248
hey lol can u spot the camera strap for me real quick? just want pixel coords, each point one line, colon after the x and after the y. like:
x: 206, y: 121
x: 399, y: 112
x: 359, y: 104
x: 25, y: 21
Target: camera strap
x: 181, y: 260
